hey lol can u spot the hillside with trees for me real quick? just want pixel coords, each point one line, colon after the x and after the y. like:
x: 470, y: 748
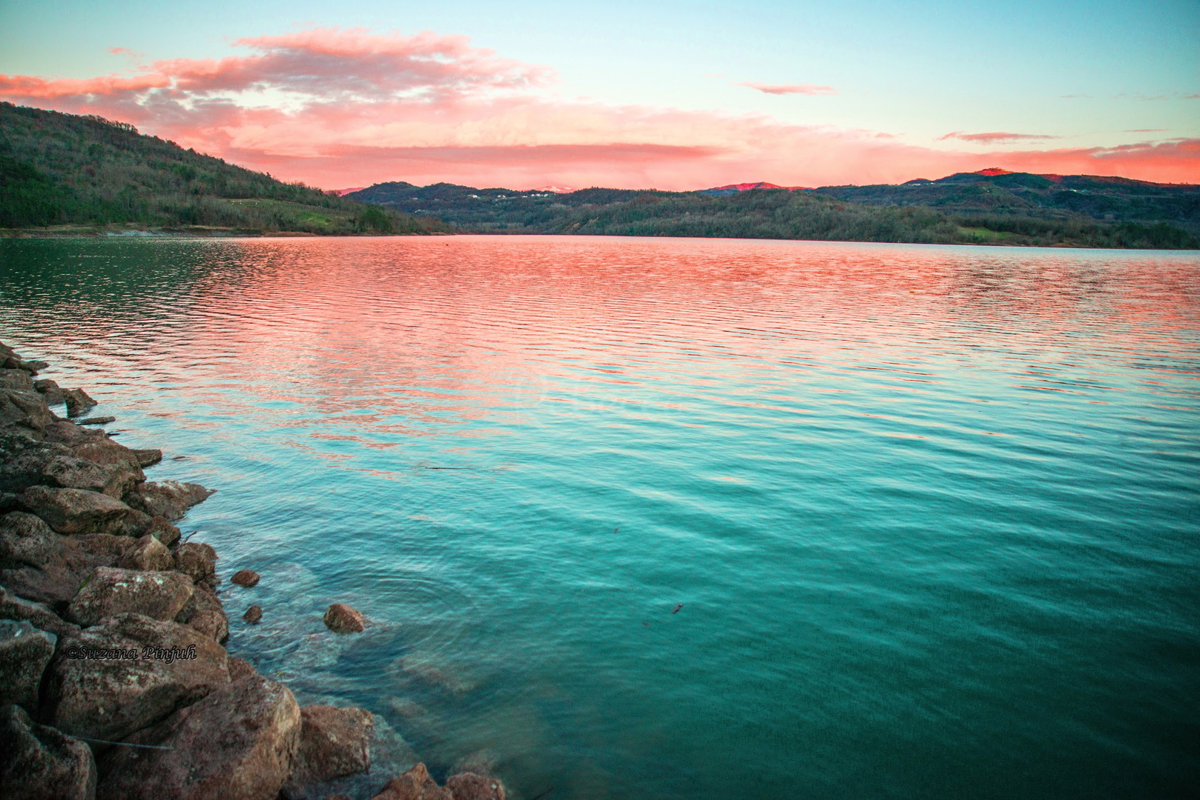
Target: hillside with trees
x: 62, y: 170
x: 988, y: 207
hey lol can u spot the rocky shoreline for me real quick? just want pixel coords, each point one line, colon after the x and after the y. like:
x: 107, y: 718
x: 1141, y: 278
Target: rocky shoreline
x: 117, y: 683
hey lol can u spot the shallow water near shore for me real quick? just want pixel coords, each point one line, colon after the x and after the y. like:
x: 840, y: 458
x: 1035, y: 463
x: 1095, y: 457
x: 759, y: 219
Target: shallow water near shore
x: 932, y: 513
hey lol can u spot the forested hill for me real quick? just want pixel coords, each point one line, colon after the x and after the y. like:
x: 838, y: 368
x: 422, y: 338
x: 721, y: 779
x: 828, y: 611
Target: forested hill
x: 64, y: 171
x: 989, y: 207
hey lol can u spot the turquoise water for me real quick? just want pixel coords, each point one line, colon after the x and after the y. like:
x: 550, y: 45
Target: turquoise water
x: 933, y: 513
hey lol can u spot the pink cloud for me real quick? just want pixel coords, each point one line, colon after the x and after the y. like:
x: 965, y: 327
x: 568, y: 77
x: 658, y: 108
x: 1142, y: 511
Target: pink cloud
x: 995, y: 137
x: 789, y: 88
x: 361, y: 108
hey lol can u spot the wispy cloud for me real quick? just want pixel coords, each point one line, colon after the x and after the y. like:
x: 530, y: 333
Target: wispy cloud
x: 788, y: 88
x: 338, y: 107
x: 995, y: 137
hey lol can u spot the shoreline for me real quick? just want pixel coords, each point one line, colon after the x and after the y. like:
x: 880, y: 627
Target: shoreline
x: 112, y: 637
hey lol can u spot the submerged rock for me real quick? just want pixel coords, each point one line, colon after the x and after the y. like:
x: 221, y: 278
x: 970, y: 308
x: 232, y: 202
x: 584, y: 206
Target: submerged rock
x: 341, y: 618
x: 151, y: 669
x: 111, y: 591
x: 78, y: 402
x: 416, y: 784
x: 253, y: 614
x: 24, y: 653
x: 169, y: 499
x: 235, y: 744
x: 334, y: 742
x: 38, y: 762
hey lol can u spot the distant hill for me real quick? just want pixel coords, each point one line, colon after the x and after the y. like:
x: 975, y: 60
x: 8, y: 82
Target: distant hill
x: 87, y: 172
x: 989, y: 207
x: 734, y: 188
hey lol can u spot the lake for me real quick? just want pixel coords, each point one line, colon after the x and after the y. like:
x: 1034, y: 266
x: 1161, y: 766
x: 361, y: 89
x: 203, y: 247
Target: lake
x: 683, y: 518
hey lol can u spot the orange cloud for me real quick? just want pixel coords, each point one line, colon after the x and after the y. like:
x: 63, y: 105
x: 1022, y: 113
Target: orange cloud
x: 789, y: 88
x: 995, y: 137
x: 338, y: 108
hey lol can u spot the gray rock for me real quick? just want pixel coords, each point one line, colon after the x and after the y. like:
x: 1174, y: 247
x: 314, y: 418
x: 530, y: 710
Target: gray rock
x: 170, y: 499
x: 39, y: 763
x: 51, y: 391
x: 37, y: 614
x: 71, y: 511
x: 78, y: 402
x: 342, y: 618
x: 111, y: 591
x: 196, y: 560
x: 334, y: 742
x: 148, y: 553
x: 110, y: 698
x: 24, y: 653
x: 235, y: 744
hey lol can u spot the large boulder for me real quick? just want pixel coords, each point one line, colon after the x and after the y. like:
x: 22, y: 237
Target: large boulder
x: 205, y: 613
x: 38, y: 564
x: 72, y: 472
x: 415, y: 784
x: 75, y: 510
x: 129, y: 673
x: 111, y: 591
x: 38, y: 615
x: 23, y: 459
x: 25, y: 462
x: 197, y: 560
x: 148, y: 553
x: 39, y: 763
x: 170, y: 499
x: 105, y: 451
x: 334, y: 742
x: 26, y: 410
x: 235, y: 744
x: 50, y: 390
x: 24, y: 653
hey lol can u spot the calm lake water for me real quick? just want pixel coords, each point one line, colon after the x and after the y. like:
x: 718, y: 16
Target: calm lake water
x: 932, y: 513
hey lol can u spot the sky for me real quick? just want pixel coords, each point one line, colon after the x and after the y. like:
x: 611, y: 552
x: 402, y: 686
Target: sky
x: 670, y: 95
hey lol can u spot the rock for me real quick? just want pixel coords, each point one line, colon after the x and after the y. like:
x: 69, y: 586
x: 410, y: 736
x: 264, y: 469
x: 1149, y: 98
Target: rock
x: 26, y: 410
x: 206, y: 614
x: 469, y: 786
x: 24, y: 653
x: 72, y: 472
x: 334, y: 742
x: 240, y: 668
x: 38, y: 564
x: 235, y: 744
x: 341, y: 618
x: 147, y: 458
x: 78, y: 402
x: 416, y: 784
x: 37, y: 614
x: 51, y: 391
x: 16, y: 379
x: 105, y: 451
x: 110, y: 698
x: 196, y: 560
x: 245, y: 577
x: 111, y: 591
x: 70, y: 511
x: 169, y: 499
x: 39, y: 763
x: 95, y: 420
x: 253, y: 614
x: 66, y: 432
x: 36, y: 366
x: 162, y: 530
x: 148, y: 554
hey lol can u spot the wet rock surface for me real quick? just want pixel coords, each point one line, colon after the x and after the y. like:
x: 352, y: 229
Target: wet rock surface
x: 78, y: 402
x: 341, y: 618
x: 246, y: 578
